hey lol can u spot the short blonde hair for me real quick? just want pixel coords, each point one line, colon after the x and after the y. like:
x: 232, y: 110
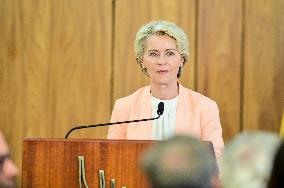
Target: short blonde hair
x: 161, y: 28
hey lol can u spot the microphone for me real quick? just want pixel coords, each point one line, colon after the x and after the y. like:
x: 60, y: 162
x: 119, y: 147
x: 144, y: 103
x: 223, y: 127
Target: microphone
x: 160, y: 112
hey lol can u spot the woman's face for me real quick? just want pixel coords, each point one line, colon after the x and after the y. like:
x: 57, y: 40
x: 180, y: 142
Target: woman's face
x: 162, y: 59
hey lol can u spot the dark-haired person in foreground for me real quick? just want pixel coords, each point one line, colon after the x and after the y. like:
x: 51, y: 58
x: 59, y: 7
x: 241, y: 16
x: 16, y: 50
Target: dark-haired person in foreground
x: 276, y: 179
x: 181, y: 162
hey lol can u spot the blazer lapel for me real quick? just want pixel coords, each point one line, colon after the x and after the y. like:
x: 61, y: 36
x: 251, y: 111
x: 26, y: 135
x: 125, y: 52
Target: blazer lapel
x: 181, y: 115
x: 143, y: 130
x: 146, y: 106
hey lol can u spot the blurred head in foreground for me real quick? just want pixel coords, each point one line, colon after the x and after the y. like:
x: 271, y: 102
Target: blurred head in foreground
x: 247, y: 160
x: 181, y: 161
x: 8, y: 169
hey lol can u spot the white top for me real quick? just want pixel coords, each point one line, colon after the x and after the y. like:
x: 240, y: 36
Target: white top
x: 164, y: 127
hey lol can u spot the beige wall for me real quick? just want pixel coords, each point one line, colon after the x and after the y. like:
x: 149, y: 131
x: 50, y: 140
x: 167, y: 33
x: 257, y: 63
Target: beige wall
x: 64, y: 62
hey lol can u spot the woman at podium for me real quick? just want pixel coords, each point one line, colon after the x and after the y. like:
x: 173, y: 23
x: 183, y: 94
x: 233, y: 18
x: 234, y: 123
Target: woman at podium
x: 161, y: 50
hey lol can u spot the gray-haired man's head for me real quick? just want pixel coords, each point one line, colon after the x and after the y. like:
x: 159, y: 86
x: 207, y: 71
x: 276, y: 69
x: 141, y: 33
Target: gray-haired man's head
x: 181, y: 161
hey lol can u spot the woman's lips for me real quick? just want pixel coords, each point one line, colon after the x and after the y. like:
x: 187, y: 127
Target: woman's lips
x: 162, y: 71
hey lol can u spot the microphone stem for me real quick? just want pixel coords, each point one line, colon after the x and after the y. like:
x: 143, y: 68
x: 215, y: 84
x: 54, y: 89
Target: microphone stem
x: 105, y: 124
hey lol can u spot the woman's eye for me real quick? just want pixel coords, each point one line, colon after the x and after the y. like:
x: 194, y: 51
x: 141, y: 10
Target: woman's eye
x: 170, y: 53
x: 153, y: 54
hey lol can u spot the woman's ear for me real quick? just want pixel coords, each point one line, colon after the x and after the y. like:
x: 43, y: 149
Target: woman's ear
x: 183, y: 60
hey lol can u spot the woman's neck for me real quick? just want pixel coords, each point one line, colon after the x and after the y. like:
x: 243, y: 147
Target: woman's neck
x: 164, y: 91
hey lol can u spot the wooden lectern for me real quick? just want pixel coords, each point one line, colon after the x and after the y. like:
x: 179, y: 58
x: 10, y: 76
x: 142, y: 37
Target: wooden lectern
x: 55, y: 163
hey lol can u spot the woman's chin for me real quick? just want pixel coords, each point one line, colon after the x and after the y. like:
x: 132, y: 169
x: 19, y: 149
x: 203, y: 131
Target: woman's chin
x: 164, y: 81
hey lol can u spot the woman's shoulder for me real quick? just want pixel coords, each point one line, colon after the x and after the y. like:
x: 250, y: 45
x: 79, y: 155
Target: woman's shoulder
x: 198, y: 97
x: 130, y: 99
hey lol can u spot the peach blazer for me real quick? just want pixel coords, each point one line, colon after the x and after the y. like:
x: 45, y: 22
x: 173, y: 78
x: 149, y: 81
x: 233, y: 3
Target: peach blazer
x: 196, y: 115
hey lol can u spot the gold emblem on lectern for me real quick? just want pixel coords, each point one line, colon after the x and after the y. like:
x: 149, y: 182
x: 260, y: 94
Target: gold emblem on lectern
x: 82, y: 175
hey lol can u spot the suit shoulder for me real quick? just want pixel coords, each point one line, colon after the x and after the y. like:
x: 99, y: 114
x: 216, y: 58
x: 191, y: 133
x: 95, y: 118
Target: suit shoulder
x: 130, y: 99
x: 199, y: 98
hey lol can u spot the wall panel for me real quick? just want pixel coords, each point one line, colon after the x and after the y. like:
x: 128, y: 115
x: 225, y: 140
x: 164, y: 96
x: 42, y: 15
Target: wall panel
x: 219, y: 58
x: 54, y: 68
x: 264, y: 65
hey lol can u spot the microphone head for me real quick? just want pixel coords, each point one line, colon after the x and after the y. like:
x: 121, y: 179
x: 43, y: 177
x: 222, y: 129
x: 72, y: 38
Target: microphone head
x: 160, y: 110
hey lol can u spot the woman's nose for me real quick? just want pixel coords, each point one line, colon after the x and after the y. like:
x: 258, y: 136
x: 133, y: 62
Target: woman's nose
x: 161, y: 60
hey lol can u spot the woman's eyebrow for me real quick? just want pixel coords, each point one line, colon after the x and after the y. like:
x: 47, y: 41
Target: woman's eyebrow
x: 153, y: 50
x: 170, y: 49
